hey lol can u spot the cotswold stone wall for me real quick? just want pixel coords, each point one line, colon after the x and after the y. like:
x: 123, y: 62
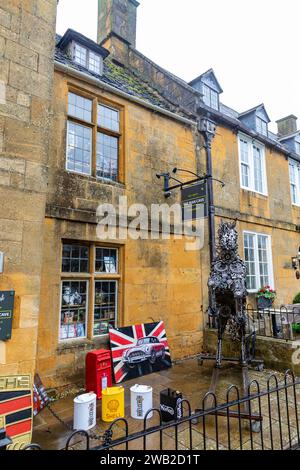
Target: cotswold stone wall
x: 27, y: 29
x: 160, y: 279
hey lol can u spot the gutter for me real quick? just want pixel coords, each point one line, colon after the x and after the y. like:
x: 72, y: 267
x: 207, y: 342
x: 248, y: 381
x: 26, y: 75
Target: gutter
x: 94, y: 81
x: 238, y: 126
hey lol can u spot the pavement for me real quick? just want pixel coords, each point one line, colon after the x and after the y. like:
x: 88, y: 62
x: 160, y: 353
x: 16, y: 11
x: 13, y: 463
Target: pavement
x: 193, y: 381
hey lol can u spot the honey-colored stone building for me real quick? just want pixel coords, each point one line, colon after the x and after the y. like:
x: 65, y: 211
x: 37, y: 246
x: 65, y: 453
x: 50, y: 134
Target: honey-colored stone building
x: 99, y: 122
x: 27, y: 38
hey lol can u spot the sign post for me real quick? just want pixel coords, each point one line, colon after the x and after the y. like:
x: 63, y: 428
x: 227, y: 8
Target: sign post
x: 6, y: 314
x: 193, y: 196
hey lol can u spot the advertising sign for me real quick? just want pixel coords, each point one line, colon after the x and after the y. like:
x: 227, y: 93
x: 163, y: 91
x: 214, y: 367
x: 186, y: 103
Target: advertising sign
x: 192, y: 197
x: 6, y: 314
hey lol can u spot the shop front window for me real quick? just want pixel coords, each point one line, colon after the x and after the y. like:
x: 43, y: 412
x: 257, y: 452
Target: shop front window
x: 89, y: 290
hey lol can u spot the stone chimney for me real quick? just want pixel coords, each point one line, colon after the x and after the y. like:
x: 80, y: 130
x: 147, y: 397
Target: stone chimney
x: 117, y: 19
x: 287, y: 125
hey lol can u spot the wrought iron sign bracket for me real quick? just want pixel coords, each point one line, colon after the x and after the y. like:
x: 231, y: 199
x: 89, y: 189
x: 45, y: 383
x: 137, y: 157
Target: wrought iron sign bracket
x: 167, y: 177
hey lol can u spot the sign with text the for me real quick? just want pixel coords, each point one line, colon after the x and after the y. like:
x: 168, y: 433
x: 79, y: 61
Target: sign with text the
x: 6, y: 314
x: 194, y: 197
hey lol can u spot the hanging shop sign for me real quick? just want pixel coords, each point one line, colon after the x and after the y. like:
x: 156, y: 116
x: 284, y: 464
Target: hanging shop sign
x: 139, y: 350
x: 193, y: 197
x: 16, y: 409
x: 6, y: 314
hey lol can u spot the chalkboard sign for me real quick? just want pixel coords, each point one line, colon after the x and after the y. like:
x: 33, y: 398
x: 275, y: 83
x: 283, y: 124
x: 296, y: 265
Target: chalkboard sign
x: 6, y: 313
x: 192, y: 197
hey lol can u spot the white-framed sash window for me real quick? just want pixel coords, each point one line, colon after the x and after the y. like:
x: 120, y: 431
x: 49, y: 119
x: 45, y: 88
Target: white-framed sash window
x: 252, y: 165
x: 258, y: 259
x: 294, y: 170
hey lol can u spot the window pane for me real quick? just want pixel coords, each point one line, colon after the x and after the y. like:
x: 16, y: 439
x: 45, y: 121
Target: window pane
x: 80, y: 54
x: 107, y: 157
x: 73, y: 309
x: 294, y: 179
x: 244, y: 151
x: 258, y: 125
x: 109, y: 118
x: 79, y: 148
x: 106, y: 260
x: 94, y: 63
x: 206, y: 95
x: 75, y: 259
x: 258, y: 169
x: 214, y: 100
x: 264, y: 128
x: 105, y: 306
x: 250, y: 260
x: 262, y: 243
x: 80, y: 107
x: 245, y: 175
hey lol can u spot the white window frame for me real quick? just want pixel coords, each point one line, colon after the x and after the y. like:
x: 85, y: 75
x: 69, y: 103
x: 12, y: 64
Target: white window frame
x: 251, y: 143
x: 295, y: 165
x: 297, y: 148
x: 256, y: 259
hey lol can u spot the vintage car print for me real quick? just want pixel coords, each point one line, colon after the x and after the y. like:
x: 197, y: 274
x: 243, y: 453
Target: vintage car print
x: 146, y: 349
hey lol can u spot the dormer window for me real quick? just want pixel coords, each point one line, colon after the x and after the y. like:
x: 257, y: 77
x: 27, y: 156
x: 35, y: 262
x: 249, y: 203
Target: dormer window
x: 87, y: 58
x: 297, y: 148
x: 210, y: 97
x: 256, y: 119
x: 261, y: 126
x: 208, y: 85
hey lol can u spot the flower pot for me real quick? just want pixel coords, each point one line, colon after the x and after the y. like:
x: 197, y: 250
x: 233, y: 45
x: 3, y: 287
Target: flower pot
x: 264, y: 303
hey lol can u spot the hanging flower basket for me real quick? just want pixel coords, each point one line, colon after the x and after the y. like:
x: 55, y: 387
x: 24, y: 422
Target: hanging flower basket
x: 265, y: 297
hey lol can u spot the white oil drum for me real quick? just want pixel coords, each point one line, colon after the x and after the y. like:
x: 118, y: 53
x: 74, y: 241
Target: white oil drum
x: 85, y: 411
x: 141, y: 397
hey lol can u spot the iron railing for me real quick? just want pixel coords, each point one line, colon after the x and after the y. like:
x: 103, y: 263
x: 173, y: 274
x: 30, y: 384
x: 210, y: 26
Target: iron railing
x: 263, y: 420
x: 279, y: 323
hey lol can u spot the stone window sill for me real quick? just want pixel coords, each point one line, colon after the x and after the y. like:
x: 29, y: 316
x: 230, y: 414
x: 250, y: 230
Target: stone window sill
x: 88, y: 344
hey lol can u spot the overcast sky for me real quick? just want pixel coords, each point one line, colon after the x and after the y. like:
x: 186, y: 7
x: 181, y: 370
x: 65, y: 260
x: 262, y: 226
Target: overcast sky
x: 252, y: 45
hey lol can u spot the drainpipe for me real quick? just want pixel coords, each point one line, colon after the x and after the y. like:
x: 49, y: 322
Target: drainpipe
x: 208, y: 130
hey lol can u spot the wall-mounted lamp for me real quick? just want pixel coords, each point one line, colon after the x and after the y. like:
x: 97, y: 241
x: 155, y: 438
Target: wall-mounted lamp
x: 295, y: 262
x: 1, y: 262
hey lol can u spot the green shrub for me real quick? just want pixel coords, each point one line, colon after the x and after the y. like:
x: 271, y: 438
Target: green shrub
x: 297, y: 299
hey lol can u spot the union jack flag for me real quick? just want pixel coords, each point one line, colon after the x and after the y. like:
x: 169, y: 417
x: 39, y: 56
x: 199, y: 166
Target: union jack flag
x: 124, y: 339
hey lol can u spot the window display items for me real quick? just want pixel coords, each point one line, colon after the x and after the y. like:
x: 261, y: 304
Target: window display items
x: 73, y: 309
x: 105, y: 308
x: 139, y: 350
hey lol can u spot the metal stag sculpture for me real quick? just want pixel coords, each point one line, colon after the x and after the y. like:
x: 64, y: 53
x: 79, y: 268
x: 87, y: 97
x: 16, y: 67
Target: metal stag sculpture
x: 227, y: 287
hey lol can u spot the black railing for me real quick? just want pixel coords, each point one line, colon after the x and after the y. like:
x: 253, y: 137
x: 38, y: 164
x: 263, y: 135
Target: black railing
x: 262, y: 420
x: 279, y: 323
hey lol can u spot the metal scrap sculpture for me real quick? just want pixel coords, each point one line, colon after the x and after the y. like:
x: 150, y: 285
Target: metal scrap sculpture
x: 227, y: 288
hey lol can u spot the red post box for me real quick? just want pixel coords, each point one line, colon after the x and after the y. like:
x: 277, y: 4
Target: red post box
x: 98, y: 373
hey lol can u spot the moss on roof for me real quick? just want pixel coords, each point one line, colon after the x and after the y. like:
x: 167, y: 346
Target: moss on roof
x: 121, y: 78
